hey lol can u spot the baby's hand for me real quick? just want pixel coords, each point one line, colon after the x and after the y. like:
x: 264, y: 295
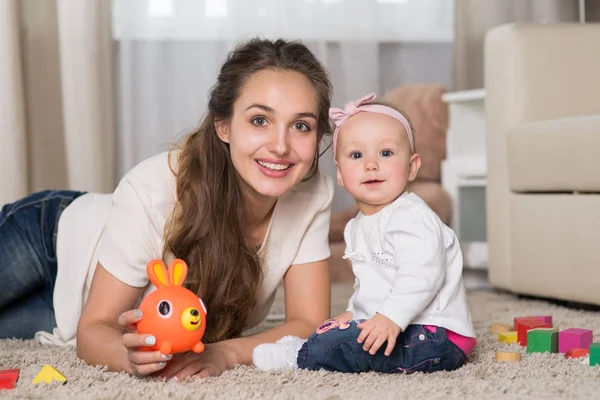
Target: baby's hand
x: 376, y: 331
x: 344, y: 317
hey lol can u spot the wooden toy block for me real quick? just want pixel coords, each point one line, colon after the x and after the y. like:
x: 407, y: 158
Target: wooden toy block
x: 574, y: 337
x: 12, y: 374
x: 497, y: 328
x: 48, y: 374
x: 8, y: 378
x: 507, y: 337
x: 595, y: 354
x: 526, y: 326
x: 542, y: 340
x: 508, y: 356
x: 577, y: 353
x: 521, y: 320
x: 6, y: 383
x: 542, y: 318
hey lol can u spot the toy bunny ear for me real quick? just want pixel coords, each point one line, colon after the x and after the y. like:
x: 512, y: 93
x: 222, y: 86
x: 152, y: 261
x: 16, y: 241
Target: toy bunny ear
x: 177, y: 272
x: 157, y: 272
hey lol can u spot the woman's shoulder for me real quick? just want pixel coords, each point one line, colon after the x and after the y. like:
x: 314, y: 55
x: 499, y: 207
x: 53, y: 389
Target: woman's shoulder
x: 154, y: 178
x: 318, y: 189
x: 305, y: 200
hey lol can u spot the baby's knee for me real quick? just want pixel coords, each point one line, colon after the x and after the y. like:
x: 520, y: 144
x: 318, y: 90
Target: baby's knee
x: 325, y: 349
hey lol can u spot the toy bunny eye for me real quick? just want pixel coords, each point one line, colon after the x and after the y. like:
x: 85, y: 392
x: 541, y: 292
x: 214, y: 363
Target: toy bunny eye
x: 165, y: 309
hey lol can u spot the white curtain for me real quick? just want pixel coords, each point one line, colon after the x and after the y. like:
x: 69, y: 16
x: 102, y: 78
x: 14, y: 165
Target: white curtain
x: 168, y: 53
x: 56, y: 96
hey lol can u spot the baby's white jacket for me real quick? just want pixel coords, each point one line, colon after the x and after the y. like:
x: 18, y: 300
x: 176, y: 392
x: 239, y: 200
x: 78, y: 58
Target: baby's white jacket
x: 408, y: 266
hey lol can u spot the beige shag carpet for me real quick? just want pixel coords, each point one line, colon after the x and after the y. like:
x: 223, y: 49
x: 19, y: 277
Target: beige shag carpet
x: 537, y: 376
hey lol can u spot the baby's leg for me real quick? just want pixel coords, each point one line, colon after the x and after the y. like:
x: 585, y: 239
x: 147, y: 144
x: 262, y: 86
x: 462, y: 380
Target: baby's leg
x: 337, y: 349
x: 416, y: 350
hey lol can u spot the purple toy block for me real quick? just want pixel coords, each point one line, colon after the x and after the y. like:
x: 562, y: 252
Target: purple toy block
x: 574, y: 337
x: 546, y: 318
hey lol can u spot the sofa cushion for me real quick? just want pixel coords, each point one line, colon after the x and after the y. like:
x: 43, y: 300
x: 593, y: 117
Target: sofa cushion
x: 561, y: 155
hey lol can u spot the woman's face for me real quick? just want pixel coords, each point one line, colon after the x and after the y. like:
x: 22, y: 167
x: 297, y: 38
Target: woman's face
x: 272, y: 133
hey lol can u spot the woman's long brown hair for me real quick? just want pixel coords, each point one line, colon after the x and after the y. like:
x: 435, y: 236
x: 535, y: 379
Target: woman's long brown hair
x: 205, y: 229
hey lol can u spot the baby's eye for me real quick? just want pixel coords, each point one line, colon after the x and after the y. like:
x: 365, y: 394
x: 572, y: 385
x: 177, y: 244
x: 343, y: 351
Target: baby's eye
x: 259, y: 121
x: 356, y: 155
x: 301, y: 126
x: 386, y: 153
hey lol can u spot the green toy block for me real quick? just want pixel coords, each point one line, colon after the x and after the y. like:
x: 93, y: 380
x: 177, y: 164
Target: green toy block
x: 542, y: 340
x: 595, y: 354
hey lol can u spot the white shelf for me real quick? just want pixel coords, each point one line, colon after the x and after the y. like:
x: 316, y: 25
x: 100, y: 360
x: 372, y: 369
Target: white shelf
x: 465, y: 166
x: 466, y: 95
x: 471, y: 182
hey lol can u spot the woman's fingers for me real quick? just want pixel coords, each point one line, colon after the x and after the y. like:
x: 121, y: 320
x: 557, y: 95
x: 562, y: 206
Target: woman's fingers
x: 147, y: 369
x: 173, y: 368
x: 147, y: 357
x: 197, y: 370
x: 132, y: 340
x: 129, y: 318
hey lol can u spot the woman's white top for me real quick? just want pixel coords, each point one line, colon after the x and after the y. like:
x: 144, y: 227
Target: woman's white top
x: 124, y: 231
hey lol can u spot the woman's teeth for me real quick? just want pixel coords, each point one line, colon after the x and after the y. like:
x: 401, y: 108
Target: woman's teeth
x: 276, y: 167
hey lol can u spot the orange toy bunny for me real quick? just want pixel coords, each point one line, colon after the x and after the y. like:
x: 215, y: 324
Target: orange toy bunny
x: 173, y: 314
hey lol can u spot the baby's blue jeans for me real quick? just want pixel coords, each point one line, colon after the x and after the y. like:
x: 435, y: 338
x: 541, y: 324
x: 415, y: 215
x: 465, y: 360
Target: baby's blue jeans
x: 28, y: 231
x: 417, y: 350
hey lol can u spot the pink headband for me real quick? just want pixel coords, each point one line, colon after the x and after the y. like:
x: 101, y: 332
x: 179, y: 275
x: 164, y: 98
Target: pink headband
x: 340, y: 116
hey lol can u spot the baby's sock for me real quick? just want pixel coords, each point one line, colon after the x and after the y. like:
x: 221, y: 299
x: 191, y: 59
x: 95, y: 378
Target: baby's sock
x: 279, y: 355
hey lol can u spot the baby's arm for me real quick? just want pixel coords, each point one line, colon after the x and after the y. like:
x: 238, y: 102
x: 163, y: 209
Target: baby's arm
x: 347, y: 315
x: 419, y: 258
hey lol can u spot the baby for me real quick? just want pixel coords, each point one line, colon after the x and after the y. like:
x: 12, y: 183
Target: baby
x: 408, y: 312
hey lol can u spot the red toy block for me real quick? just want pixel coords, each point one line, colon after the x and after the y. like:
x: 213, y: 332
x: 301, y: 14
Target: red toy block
x: 525, y: 326
x: 12, y: 374
x: 542, y: 318
x: 8, y: 378
x: 574, y: 337
x: 6, y: 384
x: 577, y: 353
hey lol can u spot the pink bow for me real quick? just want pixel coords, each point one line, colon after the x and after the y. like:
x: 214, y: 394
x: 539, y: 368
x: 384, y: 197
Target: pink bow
x: 340, y: 116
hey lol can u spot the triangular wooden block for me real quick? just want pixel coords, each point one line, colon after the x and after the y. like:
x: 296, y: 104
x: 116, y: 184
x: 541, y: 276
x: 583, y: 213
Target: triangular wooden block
x: 48, y: 374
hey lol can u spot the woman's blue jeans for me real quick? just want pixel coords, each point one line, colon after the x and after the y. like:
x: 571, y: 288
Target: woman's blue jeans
x: 417, y: 350
x: 28, y: 231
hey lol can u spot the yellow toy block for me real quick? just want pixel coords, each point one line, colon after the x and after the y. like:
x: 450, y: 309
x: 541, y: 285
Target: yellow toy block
x: 497, y: 328
x: 508, y: 356
x: 507, y: 337
x: 48, y: 374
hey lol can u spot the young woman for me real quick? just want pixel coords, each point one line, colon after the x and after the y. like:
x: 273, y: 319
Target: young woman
x: 242, y: 202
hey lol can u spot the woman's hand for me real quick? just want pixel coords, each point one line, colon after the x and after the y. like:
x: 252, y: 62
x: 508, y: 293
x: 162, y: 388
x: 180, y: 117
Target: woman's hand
x: 213, y: 361
x: 141, y: 362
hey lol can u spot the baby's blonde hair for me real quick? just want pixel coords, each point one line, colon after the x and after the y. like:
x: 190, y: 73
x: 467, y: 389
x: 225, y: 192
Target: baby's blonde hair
x: 381, y: 102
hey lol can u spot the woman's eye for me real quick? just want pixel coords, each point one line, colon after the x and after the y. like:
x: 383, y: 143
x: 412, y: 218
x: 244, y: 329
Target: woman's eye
x: 301, y: 126
x: 386, y: 153
x: 259, y: 121
x: 355, y: 155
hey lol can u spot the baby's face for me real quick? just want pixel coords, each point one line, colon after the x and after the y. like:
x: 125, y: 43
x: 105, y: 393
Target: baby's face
x: 374, y: 161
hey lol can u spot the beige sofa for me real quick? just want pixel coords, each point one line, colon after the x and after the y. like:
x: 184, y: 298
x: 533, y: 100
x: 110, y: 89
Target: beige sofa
x: 543, y: 154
